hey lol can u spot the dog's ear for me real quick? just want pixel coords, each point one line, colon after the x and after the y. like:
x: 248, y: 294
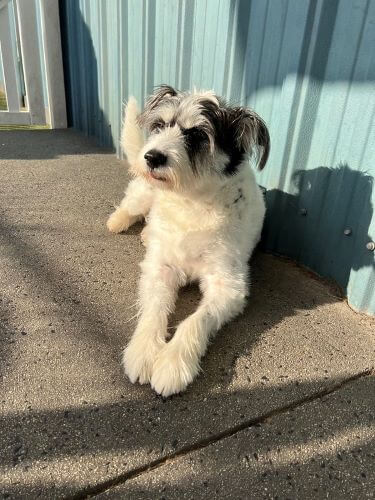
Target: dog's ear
x: 250, y: 132
x: 159, y: 95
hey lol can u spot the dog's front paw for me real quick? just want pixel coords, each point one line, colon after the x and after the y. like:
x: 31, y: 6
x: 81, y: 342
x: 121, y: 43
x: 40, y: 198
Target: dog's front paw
x: 119, y: 221
x: 139, y: 357
x: 172, y: 371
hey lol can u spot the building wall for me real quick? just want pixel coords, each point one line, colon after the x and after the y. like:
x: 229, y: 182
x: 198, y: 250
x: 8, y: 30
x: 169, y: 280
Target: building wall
x: 307, y: 67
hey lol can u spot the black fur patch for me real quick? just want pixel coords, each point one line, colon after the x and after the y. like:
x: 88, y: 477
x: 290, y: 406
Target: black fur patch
x: 239, y: 197
x: 224, y: 134
x: 236, y: 157
x: 196, y: 140
x: 235, y: 129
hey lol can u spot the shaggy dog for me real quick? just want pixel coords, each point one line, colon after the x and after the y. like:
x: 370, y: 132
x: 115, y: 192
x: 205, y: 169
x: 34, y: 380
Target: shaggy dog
x: 204, y: 214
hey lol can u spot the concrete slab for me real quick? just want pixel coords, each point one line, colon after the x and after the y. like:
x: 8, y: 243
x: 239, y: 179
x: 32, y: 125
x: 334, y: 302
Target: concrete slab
x: 323, y: 449
x: 70, y: 423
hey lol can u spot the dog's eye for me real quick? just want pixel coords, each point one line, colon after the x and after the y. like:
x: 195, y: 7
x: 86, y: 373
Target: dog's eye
x: 195, y: 134
x: 157, y: 126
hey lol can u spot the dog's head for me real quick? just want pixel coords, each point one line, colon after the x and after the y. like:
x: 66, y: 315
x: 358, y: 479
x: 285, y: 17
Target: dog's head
x: 194, y: 136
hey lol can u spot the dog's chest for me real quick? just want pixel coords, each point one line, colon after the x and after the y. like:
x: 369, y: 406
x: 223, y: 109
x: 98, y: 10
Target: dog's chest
x: 183, y: 215
x: 184, y: 229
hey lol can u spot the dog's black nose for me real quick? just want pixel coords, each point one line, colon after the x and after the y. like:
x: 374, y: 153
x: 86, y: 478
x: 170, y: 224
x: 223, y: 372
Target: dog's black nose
x: 155, y: 158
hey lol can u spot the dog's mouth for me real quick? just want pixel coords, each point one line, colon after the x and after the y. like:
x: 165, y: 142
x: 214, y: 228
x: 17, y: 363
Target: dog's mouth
x: 157, y: 176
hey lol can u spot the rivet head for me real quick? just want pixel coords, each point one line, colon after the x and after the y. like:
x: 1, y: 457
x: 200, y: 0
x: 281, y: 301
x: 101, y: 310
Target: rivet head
x: 347, y: 231
x: 370, y: 246
x: 303, y: 211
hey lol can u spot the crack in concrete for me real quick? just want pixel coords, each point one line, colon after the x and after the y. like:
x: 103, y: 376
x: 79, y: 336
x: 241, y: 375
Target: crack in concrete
x: 99, y: 488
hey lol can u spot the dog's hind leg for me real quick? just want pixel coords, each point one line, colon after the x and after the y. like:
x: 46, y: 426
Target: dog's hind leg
x: 135, y: 206
x: 178, y: 362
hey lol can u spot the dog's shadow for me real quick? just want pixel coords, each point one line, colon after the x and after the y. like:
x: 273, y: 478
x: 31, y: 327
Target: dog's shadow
x: 279, y: 290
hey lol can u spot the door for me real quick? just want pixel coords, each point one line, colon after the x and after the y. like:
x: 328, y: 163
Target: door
x: 31, y: 72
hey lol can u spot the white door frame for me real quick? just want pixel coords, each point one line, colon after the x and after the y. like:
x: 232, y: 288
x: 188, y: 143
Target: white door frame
x: 36, y: 112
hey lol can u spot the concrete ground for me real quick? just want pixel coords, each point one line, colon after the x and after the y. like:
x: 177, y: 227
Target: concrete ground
x: 284, y: 407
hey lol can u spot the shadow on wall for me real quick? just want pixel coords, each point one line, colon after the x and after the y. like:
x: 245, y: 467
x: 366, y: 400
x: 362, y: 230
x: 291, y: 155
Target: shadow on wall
x: 325, y: 223
x: 81, y: 72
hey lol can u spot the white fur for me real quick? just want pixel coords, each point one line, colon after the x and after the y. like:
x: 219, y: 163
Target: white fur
x: 195, y: 232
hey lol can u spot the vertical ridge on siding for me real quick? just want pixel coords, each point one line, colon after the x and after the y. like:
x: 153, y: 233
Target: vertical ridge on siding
x: 307, y: 67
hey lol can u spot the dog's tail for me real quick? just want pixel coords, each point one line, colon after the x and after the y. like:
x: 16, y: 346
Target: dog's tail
x: 132, y: 138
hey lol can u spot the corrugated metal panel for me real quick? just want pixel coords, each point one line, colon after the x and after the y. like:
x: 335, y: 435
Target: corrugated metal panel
x: 307, y: 67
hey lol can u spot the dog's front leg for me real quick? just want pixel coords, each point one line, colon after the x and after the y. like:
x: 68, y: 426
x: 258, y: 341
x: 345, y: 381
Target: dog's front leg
x: 178, y: 362
x: 158, y: 289
x: 134, y: 206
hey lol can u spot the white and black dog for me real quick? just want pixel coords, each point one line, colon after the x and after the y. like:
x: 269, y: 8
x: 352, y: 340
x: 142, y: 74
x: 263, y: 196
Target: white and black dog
x: 204, y: 213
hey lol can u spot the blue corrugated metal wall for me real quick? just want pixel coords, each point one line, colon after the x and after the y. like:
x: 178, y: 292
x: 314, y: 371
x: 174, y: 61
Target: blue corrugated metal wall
x: 307, y: 67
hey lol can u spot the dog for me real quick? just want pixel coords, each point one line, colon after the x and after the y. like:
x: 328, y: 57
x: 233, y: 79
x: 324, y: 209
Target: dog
x: 204, y: 212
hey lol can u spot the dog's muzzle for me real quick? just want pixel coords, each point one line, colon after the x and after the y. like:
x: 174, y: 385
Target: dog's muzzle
x: 155, y: 158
